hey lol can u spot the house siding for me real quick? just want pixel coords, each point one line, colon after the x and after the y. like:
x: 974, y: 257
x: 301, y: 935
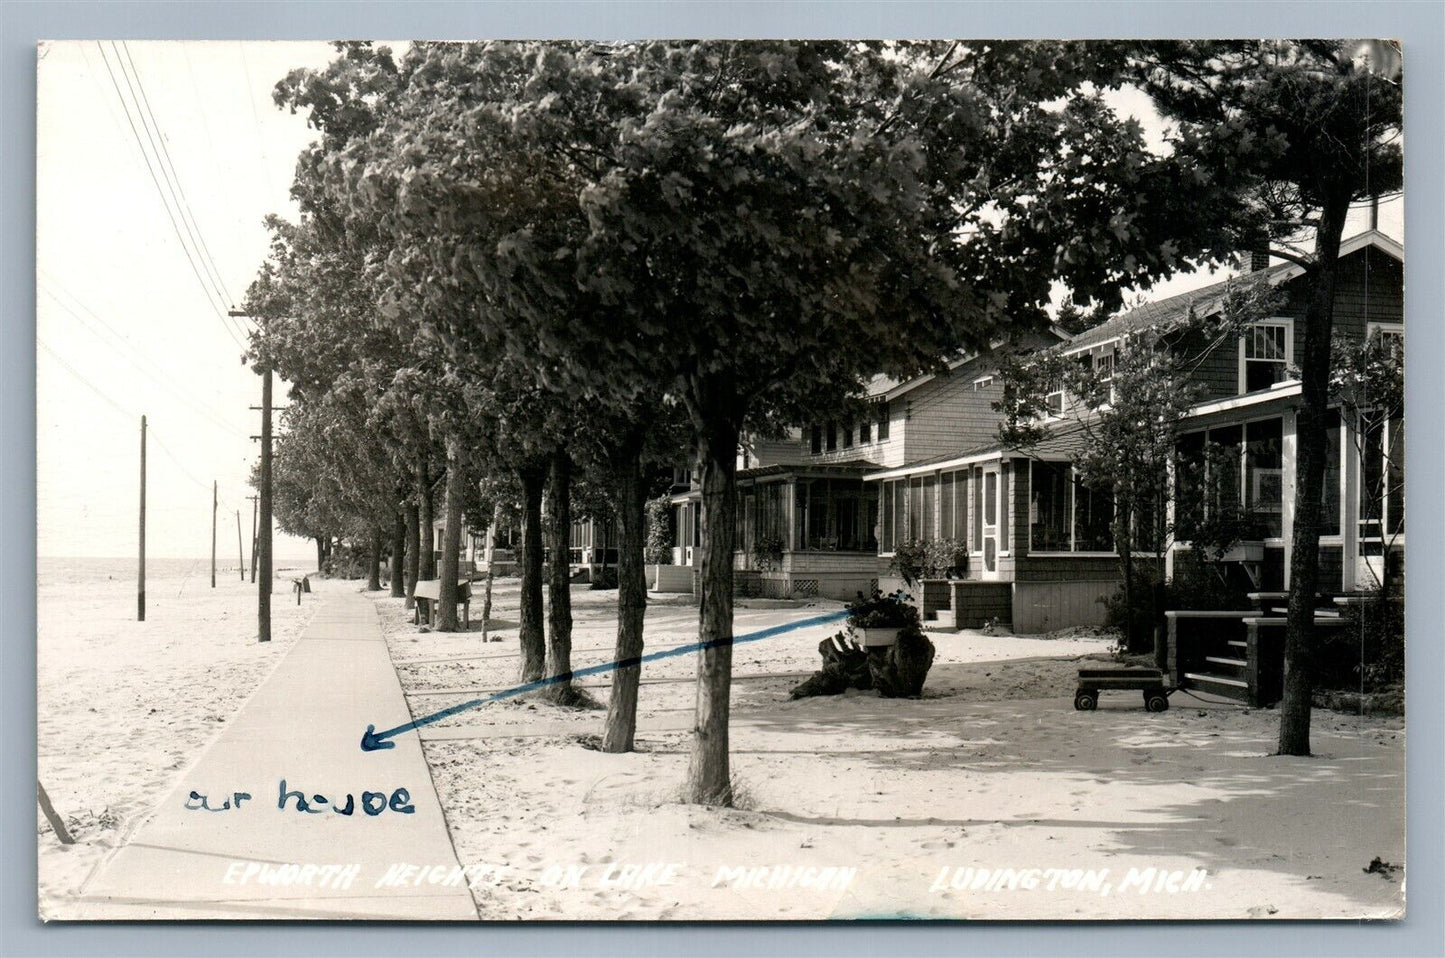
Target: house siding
x: 1369, y: 289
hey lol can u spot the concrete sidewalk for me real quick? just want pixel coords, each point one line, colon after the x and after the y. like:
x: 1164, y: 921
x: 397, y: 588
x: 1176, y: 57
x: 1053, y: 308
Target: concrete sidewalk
x: 303, y: 726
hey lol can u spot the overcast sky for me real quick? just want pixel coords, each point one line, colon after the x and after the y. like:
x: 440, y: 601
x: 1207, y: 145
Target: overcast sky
x: 124, y: 324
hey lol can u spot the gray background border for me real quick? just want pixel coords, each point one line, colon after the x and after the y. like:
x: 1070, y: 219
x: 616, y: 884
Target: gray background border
x: 1421, y: 24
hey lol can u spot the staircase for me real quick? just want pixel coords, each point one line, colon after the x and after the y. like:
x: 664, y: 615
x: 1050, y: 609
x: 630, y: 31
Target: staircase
x: 1237, y: 655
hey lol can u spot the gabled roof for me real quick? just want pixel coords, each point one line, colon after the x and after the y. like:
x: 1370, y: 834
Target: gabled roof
x: 1066, y: 438
x: 890, y: 387
x: 1207, y: 299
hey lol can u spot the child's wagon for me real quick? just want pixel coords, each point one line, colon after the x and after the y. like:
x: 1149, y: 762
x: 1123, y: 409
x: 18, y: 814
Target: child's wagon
x: 1149, y: 681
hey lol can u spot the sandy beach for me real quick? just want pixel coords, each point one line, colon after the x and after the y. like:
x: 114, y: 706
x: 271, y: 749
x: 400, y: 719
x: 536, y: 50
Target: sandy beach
x: 154, y: 692
x: 990, y: 797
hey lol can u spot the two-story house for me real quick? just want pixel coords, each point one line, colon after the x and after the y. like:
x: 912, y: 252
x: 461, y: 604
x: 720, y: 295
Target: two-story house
x: 1041, y: 553
x: 808, y: 522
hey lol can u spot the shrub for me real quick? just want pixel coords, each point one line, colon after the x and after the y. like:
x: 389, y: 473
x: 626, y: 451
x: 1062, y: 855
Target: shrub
x: 1367, y: 652
x: 879, y: 611
x: 604, y: 579
x: 918, y: 559
x: 658, y: 548
x: 767, y: 553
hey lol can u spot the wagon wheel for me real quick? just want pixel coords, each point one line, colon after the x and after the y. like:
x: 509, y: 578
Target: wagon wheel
x: 1155, y: 700
x: 1086, y: 701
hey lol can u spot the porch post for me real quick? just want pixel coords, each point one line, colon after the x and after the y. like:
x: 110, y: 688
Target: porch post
x: 1350, y: 499
x: 1288, y: 451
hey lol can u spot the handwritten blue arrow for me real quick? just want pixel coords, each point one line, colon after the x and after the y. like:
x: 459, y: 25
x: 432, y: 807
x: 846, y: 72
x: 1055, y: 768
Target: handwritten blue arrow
x: 373, y: 740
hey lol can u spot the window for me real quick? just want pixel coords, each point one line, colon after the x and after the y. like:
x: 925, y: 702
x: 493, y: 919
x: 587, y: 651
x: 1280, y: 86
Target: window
x: 817, y: 443
x: 1264, y: 352
x: 1264, y: 474
x: 1330, y: 508
x: 1382, y: 480
x: 915, y: 509
x: 1393, y: 334
x: 977, y: 509
x: 1104, y: 366
x: 1054, y: 401
x: 883, y: 420
x: 1005, y: 503
x: 1064, y: 515
x: 865, y: 429
x: 848, y: 436
x: 1049, y: 505
x: 832, y: 436
x: 900, y: 511
x: 982, y: 383
x: 886, y: 518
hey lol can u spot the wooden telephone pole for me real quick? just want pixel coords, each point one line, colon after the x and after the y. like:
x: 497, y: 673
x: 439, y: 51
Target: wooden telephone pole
x: 213, y: 533
x: 253, y: 537
x: 240, y: 549
x: 261, y: 552
x: 140, y: 595
x: 263, y: 592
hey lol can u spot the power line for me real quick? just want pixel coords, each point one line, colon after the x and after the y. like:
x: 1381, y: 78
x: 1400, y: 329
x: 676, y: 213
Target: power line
x: 150, y: 167
x: 159, y: 378
x: 179, y: 190
x: 151, y: 431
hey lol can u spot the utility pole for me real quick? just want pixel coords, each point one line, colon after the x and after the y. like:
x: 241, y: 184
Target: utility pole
x: 140, y: 595
x: 263, y: 592
x: 213, y: 533
x: 253, y: 537
x: 240, y: 549
x: 262, y: 553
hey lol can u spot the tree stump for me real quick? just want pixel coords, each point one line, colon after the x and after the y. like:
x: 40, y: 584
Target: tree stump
x: 845, y: 666
x: 898, y: 671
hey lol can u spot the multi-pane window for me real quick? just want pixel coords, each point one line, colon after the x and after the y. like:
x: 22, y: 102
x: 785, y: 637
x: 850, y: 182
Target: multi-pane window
x: 1229, y: 469
x: 883, y: 420
x: 1064, y: 515
x: 848, y: 436
x: 1264, y: 474
x: 1264, y: 355
x: 865, y: 429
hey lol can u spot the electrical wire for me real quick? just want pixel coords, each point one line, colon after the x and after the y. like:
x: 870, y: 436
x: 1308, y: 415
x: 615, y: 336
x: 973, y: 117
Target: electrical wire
x: 161, y: 192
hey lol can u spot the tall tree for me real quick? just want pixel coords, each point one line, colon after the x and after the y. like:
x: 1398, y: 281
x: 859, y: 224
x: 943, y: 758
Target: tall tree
x: 757, y: 226
x: 1316, y: 126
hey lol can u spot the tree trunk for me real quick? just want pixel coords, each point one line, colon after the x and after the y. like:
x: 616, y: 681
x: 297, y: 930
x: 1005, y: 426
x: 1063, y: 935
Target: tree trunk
x: 491, y: 573
x: 631, y: 505
x: 709, y: 780
x: 534, y: 643
x: 373, y: 561
x: 446, y: 618
x: 559, y: 579
x: 320, y: 553
x: 398, y: 555
x: 425, y: 517
x: 1311, y: 443
x: 413, y: 542
x: 487, y: 604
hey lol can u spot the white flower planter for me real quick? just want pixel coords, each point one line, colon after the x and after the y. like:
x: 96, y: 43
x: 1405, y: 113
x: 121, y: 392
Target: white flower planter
x: 876, y: 638
x: 1251, y: 551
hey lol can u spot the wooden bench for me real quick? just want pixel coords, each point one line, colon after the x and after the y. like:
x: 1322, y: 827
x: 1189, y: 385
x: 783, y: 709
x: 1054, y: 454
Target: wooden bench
x: 428, y: 594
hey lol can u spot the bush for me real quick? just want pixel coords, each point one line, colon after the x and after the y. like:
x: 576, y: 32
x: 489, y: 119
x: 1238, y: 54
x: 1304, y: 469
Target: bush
x: 1367, y: 652
x: 1204, y: 587
x: 767, y: 553
x: 880, y: 611
x: 604, y: 579
x: 918, y: 559
x: 658, y: 548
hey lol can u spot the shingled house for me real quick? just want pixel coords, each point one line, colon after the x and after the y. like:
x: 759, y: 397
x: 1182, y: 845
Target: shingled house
x: 808, y: 522
x: 1041, y: 555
